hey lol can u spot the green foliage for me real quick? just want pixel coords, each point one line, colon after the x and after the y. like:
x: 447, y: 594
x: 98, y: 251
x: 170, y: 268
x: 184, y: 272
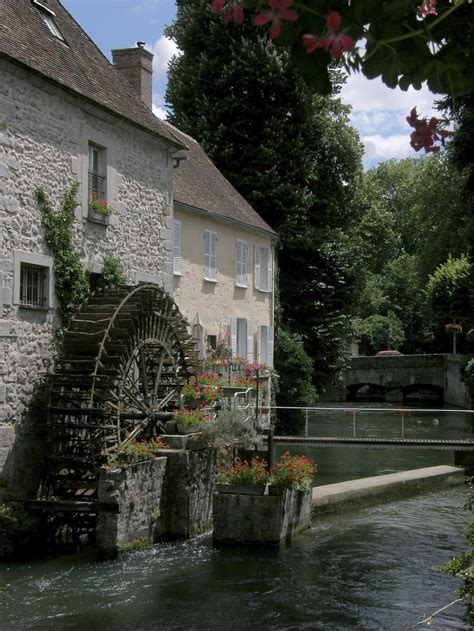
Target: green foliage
x: 112, y: 273
x: 403, y: 50
x: 71, y: 281
x: 450, y: 292
x: 229, y: 430
x: 469, y: 377
x: 379, y: 332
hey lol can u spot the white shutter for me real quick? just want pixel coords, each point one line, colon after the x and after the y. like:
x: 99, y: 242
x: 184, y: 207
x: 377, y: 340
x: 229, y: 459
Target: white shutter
x: 270, y: 346
x: 210, y: 255
x: 233, y: 336
x: 259, y: 344
x: 176, y: 246
x: 250, y: 341
x: 270, y: 271
x: 257, y: 266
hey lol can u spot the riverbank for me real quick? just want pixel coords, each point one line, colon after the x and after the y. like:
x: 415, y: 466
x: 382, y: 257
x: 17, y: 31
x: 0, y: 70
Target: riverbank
x: 333, y: 498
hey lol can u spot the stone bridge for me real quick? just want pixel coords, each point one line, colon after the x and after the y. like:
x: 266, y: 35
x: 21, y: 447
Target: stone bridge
x: 398, y: 378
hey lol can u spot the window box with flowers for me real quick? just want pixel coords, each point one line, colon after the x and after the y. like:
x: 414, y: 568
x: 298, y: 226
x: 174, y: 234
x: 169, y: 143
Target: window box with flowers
x: 190, y: 421
x: 133, y: 451
x: 291, y: 473
x: 198, y: 395
x: 244, y: 477
x: 99, y: 211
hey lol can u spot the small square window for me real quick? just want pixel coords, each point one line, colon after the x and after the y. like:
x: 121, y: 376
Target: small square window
x: 34, y: 286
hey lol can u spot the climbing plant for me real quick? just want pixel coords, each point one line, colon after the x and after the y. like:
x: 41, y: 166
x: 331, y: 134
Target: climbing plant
x: 72, y: 281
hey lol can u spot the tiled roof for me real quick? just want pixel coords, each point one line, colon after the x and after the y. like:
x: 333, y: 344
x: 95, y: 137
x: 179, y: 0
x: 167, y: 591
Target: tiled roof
x: 76, y: 65
x: 198, y: 183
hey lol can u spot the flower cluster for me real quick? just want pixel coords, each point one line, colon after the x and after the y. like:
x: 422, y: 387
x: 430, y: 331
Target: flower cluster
x: 195, y: 392
x: 99, y: 205
x: 426, y: 132
x: 427, y: 8
x: 191, y: 417
x: 135, y: 450
x: 244, y: 382
x: 251, y: 472
x: 293, y: 472
x: 333, y: 42
x: 279, y: 11
x: 251, y: 369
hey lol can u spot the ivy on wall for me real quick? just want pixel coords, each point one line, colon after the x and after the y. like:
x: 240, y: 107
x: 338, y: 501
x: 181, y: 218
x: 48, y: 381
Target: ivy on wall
x: 72, y: 281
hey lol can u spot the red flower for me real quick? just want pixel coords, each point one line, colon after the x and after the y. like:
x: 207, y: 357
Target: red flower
x: 217, y: 6
x: 426, y: 132
x: 427, y: 8
x: 335, y: 42
x: 280, y: 11
x: 234, y: 13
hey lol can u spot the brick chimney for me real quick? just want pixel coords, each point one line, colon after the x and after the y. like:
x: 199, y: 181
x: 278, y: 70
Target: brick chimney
x: 136, y: 65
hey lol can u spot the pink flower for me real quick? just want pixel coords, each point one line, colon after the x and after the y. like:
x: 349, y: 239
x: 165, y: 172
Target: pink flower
x: 217, y: 6
x: 427, y: 8
x: 234, y: 13
x: 335, y: 42
x: 280, y: 11
x: 426, y: 132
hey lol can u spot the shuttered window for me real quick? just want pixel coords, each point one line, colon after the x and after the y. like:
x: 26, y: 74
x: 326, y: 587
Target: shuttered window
x: 241, y: 263
x: 210, y: 255
x: 176, y: 246
x: 263, y: 268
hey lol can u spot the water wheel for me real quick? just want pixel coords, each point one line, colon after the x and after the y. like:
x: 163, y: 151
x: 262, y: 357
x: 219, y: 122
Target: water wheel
x: 118, y: 375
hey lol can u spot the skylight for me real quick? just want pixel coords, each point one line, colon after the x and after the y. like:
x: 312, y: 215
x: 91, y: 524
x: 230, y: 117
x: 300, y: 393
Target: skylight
x: 47, y: 15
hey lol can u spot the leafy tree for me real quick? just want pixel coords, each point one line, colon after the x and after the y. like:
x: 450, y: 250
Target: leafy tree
x: 378, y: 332
x: 291, y: 154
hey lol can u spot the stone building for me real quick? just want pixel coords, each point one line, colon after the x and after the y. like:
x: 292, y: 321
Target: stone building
x: 223, y: 260
x: 67, y: 114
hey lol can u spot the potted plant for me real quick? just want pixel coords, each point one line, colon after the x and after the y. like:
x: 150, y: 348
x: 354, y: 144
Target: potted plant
x: 132, y: 451
x: 199, y: 395
x: 291, y: 472
x: 99, y: 211
x: 244, y: 477
x: 189, y: 421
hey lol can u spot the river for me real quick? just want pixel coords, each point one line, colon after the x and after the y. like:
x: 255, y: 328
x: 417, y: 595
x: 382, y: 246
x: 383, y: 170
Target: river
x: 368, y: 569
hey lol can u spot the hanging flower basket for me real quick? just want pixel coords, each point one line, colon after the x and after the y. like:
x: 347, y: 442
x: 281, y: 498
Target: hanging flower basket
x: 452, y: 327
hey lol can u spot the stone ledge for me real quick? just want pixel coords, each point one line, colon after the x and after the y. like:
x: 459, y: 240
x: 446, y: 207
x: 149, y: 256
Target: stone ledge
x: 353, y: 494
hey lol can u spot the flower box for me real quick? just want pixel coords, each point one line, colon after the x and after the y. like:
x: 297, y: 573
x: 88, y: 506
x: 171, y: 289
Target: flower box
x: 98, y: 217
x: 453, y: 327
x: 185, y: 428
x: 241, y: 489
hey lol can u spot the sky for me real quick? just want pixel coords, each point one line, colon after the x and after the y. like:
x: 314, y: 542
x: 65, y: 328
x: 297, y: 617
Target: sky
x: 378, y: 112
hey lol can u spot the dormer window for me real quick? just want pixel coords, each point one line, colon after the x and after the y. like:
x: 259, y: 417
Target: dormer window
x: 47, y: 15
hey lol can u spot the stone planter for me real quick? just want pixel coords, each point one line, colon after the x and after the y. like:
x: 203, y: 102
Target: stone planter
x: 184, y: 428
x: 266, y: 520
x: 242, y: 489
x: 97, y: 217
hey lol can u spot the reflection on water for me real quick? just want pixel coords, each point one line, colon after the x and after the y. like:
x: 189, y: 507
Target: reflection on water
x: 370, y: 569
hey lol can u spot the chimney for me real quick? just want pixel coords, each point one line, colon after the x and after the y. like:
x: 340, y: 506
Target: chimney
x: 136, y: 65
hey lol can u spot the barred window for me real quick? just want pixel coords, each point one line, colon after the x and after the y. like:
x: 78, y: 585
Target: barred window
x: 97, y: 170
x: 34, y: 285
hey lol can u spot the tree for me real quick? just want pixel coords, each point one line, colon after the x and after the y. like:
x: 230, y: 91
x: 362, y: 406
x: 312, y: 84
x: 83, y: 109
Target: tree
x: 291, y: 154
x: 378, y: 332
x: 450, y: 292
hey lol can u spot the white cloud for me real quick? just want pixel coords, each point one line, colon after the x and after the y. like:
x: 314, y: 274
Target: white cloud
x: 159, y: 111
x: 163, y: 49
x: 379, y: 147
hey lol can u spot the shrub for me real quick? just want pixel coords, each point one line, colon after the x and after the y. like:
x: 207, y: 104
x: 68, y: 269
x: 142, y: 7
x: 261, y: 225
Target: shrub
x: 251, y: 472
x: 135, y: 450
x: 191, y: 417
x: 229, y: 429
x: 293, y: 472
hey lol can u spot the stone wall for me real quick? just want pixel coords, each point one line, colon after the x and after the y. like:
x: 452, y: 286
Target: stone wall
x: 44, y: 137
x: 134, y: 498
x: 260, y: 519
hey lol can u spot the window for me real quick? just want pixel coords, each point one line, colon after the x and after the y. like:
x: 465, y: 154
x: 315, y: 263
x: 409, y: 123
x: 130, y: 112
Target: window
x: 176, y: 246
x: 241, y: 263
x: 212, y: 341
x: 47, y: 16
x: 34, y: 285
x: 263, y: 268
x: 97, y: 169
x: 241, y: 338
x: 265, y: 345
x: 210, y: 255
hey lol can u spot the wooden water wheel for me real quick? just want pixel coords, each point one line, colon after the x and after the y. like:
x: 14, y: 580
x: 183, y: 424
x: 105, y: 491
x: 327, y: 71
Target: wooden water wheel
x: 118, y: 375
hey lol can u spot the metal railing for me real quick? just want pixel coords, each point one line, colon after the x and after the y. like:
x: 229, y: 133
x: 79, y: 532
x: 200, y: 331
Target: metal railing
x: 402, y: 413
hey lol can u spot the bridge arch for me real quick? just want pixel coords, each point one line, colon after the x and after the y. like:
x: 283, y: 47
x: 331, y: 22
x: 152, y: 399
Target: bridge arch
x: 365, y: 390
x: 436, y: 392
